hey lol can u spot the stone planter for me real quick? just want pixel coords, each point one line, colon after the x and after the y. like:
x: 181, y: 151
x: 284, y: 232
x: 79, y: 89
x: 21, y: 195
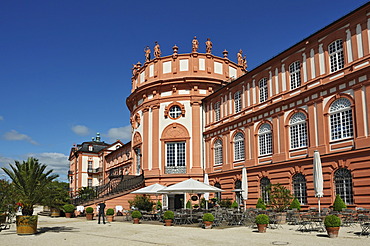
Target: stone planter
x: 136, y: 220
x: 207, y: 224
x: 262, y: 228
x: 68, y: 215
x: 168, y: 222
x: 110, y: 218
x: 332, y: 231
x: 281, y: 218
x: 90, y: 216
x: 26, y: 225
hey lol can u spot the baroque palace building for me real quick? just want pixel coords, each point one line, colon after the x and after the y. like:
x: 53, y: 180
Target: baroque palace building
x: 195, y: 114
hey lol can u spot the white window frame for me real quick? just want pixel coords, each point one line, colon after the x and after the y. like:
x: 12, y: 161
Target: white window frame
x: 239, y: 147
x: 263, y: 90
x: 298, y: 131
x: 295, y: 75
x: 336, y: 57
x: 265, y: 140
x: 179, y: 154
x: 341, y: 119
x: 238, y: 101
x: 218, y: 152
x: 217, y: 109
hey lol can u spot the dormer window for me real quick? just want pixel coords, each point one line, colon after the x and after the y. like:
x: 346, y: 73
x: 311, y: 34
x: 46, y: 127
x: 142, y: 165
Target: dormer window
x: 91, y: 148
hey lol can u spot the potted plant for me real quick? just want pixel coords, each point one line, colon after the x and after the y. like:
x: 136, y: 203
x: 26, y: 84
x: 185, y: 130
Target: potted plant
x: 68, y: 210
x: 208, y: 219
x: 339, y: 204
x: 110, y: 214
x: 262, y: 220
x: 295, y: 204
x: 234, y: 204
x: 89, y: 213
x: 280, y: 199
x: 168, y: 217
x: 261, y: 204
x: 332, y: 224
x: 136, y: 216
x: 29, y: 180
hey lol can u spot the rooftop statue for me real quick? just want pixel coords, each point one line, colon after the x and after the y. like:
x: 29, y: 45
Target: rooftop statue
x: 147, y: 53
x: 242, y: 61
x: 157, y: 50
x: 195, y: 44
x: 208, y: 46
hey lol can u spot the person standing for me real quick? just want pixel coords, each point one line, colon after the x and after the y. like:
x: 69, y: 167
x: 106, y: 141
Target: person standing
x: 101, y: 211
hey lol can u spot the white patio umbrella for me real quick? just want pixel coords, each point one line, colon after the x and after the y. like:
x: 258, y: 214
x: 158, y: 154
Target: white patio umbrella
x: 190, y: 186
x: 206, y: 195
x: 244, y: 185
x: 318, y: 181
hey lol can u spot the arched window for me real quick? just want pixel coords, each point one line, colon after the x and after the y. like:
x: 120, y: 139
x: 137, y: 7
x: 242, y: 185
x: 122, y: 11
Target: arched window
x: 238, y: 101
x: 217, y: 111
x: 341, y: 125
x: 295, y: 75
x: 239, y: 147
x: 336, y: 55
x: 263, y: 90
x: 218, y: 194
x: 343, y: 185
x: 218, y: 152
x: 298, y: 131
x: 299, y: 188
x: 265, y: 183
x: 265, y: 139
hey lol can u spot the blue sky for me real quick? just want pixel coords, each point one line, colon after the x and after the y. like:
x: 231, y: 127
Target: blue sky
x: 65, y: 66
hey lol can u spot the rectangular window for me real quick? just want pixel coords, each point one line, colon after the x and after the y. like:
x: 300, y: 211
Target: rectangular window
x: 263, y: 90
x: 295, y: 75
x: 238, y: 101
x: 336, y: 55
x: 175, y: 154
x: 217, y: 111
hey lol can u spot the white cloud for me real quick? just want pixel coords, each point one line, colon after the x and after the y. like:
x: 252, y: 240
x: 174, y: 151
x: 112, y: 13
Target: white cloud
x: 13, y: 135
x: 121, y: 133
x: 56, y: 161
x: 81, y: 130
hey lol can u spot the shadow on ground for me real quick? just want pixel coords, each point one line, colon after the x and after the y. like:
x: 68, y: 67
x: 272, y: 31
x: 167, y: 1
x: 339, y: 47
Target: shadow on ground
x: 57, y: 229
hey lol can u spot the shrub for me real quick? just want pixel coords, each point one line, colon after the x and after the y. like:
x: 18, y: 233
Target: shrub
x: 168, y: 215
x: 89, y: 210
x: 261, y: 204
x: 68, y: 208
x: 110, y: 211
x: 188, y: 204
x: 196, y: 206
x: 136, y: 214
x: 332, y: 221
x: 234, y: 205
x: 142, y: 203
x: 225, y: 203
x: 208, y: 217
x: 262, y: 219
x: 295, y: 204
x: 159, y: 205
x: 338, y: 204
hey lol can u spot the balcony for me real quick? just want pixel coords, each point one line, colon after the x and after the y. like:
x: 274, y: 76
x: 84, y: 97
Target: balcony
x: 70, y: 173
x: 94, y: 170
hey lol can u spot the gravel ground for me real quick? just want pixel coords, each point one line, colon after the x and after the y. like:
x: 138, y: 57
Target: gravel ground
x: 78, y: 231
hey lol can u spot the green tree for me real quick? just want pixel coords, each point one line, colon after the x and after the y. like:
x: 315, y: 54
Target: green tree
x: 86, y: 193
x: 142, y: 203
x: 8, y: 199
x: 295, y: 204
x: 30, y: 180
x: 56, y: 194
x: 280, y: 197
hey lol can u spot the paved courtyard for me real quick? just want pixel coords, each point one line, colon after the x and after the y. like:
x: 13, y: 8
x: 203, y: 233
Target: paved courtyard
x: 78, y: 231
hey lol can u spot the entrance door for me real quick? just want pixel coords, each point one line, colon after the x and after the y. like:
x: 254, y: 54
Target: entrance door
x: 179, y: 201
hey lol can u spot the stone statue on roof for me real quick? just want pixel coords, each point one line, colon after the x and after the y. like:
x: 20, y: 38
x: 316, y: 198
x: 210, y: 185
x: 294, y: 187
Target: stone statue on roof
x: 208, y: 46
x: 157, y: 50
x: 147, y: 53
x: 195, y: 44
x: 245, y: 63
x: 240, y: 58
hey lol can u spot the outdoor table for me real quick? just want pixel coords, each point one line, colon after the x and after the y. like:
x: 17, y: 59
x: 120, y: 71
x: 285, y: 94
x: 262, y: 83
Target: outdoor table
x: 365, y: 228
